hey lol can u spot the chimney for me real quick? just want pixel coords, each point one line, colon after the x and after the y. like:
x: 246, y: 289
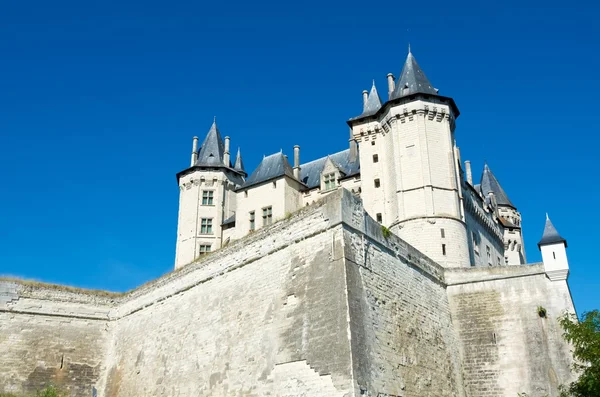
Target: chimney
x: 226, y: 156
x: 391, y: 85
x: 365, y: 98
x: 353, y: 147
x: 469, y: 173
x: 297, y: 162
x: 194, y: 151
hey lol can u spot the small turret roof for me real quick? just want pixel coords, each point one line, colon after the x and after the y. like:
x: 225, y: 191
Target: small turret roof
x: 412, y: 80
x: 271, y: 167
x: 489, y: 184
x: 550, y: 235
x: 373, y: 102
x: 239, y: 163
x: 213, y: 149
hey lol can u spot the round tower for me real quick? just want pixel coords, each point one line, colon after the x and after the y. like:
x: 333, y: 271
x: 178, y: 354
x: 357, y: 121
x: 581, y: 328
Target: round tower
x: 414, y: 185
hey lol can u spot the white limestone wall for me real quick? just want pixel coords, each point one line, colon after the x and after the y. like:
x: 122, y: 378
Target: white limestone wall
x: 483, y: 231
x: 52, y: 335
x: 480, y: 238
x: 373, y: 140
x: 280, y: 194
x: 263, y: 316
x: 191, y: 212
x: 426, y: 236
x: 418, y: 175
x: 506, y: 346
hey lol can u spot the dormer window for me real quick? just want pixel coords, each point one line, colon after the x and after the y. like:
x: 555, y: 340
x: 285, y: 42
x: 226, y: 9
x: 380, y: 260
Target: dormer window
x: 329, y: 181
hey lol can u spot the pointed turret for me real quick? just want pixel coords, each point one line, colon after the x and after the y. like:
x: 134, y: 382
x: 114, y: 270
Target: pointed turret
x: 551, y: 235
x: 239, y: 163
x: 212, y: 150
x: 373, y: 103
x: 489, y: 184
x: 554, y: 253
x: 412, y: 80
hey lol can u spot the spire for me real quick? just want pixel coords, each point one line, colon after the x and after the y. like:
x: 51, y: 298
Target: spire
x: 373, y: 103
x: 212, y: 149
x: 239, y: 164
x: 489, y: 184
x: 412, y: 79
x: 550, y: 235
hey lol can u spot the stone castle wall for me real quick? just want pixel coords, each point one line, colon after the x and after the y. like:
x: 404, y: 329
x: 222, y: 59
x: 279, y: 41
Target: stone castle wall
x: 51, y: 335
x: 320, y: 304
x: 506, y: 346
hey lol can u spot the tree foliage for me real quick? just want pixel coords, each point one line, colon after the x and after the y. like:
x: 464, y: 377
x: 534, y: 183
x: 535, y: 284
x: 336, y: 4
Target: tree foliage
x: 584, y: 336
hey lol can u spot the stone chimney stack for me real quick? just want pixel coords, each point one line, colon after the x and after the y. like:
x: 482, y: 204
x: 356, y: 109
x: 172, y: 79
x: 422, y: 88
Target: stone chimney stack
x: 365, y: 98
x: 469, y: 172
x: 391, y: 85
x: 226, y: 155
x: 297, y: 162
x: 194, y: 151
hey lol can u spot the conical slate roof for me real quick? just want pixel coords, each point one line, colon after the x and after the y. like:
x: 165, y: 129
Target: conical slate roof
x: 239, y: 164
x: 412, y: 80
x: 551, y: 235
x: 489, y: 183
x: 271, y: 167
x: 212, y: 149
x: 373, y: 102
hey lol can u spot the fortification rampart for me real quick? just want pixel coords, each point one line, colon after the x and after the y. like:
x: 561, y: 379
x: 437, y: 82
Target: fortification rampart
x: 324, y: 303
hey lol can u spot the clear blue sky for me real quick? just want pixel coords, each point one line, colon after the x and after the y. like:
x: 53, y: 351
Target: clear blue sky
x: 99, y: 101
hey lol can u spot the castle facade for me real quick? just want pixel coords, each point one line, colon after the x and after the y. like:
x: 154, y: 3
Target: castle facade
x: 402, y: 160
x: 383, y: 270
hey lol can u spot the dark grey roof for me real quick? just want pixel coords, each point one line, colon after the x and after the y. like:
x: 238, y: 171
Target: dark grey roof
x: 373, y: 102
x: 310, y: 173
x: 229, y: 220
x: 551, y: 235
x: 412, y: 80
x: 239, y: 164
x: 489, y: 183
x: 271, y: 167
x: 212, y: 149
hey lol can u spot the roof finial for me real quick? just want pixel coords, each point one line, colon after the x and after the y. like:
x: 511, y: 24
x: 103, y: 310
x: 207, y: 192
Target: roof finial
x: 214, y: 119
x: 547, y: 217
x: 409, y: 47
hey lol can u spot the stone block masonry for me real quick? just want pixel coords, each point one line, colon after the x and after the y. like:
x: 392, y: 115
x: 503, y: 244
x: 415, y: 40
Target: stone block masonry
x: 320, y: 304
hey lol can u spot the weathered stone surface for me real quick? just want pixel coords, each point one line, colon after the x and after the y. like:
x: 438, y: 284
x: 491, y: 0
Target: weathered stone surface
x: 320, y: 304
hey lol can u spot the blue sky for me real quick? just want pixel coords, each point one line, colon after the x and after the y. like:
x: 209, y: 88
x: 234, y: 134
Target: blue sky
x: 99, y: 101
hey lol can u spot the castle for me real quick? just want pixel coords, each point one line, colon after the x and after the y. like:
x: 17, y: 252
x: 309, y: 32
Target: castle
x: 408, y: 173
x: 382, y: 270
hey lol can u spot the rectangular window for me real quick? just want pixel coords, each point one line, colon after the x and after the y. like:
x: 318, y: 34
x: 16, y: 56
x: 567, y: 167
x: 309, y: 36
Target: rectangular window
x: 444, y: 249
x: 372, y: 143
x: 489, y: 254
x: 204, y: 248
x: 475, y: 246
x: 443, y: 232
x: 267, y: 216
x: 329, y: 181
x: 498, y: 260
x: 206, y: 226
x: 379, y: 218
x: 377, y: 183
x: 252, y: 220
x: 375, y: 158
x: 207, y: 197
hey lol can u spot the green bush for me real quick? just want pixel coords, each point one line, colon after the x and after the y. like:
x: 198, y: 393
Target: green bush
x: 49, y: 391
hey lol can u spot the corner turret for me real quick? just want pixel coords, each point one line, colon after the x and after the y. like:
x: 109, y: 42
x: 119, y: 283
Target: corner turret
x: 554, y: 253
x: 509, y: 217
